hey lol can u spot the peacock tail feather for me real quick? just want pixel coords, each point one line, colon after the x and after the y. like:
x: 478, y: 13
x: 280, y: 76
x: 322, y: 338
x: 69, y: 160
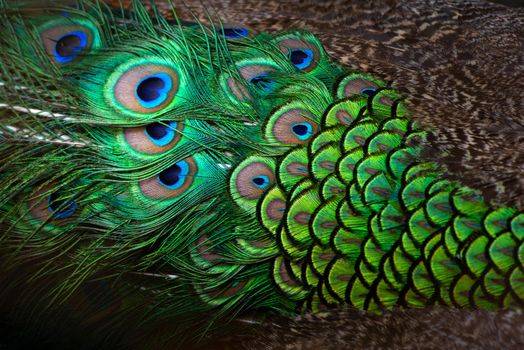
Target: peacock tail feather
x: 213, y: 170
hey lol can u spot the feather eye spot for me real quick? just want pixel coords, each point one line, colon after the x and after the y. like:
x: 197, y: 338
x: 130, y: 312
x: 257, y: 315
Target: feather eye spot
x: 301, y: 58
x: 263, y: 82
x: 62, y: 208
x: 357, y: 84
x: 302, y: 130
x: 297, y: 169
x: 145, y: 88
x: 153, y: 90
x: 276, y: 209
x: 261, y: 181
x: 65, y: 43
x: 154, y: 138
x: 71, y: 6
x: 50, y: 201
x: 161, y: 134
x: 360, y: 86
x: 369, y: 91
x: 174, y: 176
x: 291, y: 126
x: 171, y: 182
x: 302, y: 53
x: 258, y: 75
x: 69, y: 46
x: 386, y: 101
x: 302, y: 218
x: 253, y: 179
x: 234, y: 33
x: 344, y: 117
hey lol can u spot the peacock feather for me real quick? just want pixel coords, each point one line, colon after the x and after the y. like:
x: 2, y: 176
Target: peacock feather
x: 191, y: 172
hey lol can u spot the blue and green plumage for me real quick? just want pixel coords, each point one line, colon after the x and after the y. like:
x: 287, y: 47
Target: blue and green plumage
x: 254, y: 171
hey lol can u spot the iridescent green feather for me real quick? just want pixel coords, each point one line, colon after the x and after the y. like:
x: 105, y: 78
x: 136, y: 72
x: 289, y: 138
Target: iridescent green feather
x: 245, y: 170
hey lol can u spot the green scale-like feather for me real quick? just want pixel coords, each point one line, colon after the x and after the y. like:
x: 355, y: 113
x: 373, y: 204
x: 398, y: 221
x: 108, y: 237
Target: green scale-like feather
x: 393, y: 225
x: 371, y: 225
x: 302, y: 183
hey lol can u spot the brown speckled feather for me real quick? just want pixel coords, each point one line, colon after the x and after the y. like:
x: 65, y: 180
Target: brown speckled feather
x: 436, y: 328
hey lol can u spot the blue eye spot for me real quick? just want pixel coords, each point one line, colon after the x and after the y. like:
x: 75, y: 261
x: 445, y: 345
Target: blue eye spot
x: 368, y: 91
x: 62, y: 208
x: 262, y: 82
x: 302, y: 130
x: 235, y: 33
x: 69, y: 46
x: 161, y: 134
x: 301, y: 58
x: 261, y: 181
x: 73, y: 6
x: 174, y: 176
x: 153, y: 90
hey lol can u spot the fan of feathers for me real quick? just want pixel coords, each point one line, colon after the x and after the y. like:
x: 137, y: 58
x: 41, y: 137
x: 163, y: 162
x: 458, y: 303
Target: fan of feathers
x: 171, y: 174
